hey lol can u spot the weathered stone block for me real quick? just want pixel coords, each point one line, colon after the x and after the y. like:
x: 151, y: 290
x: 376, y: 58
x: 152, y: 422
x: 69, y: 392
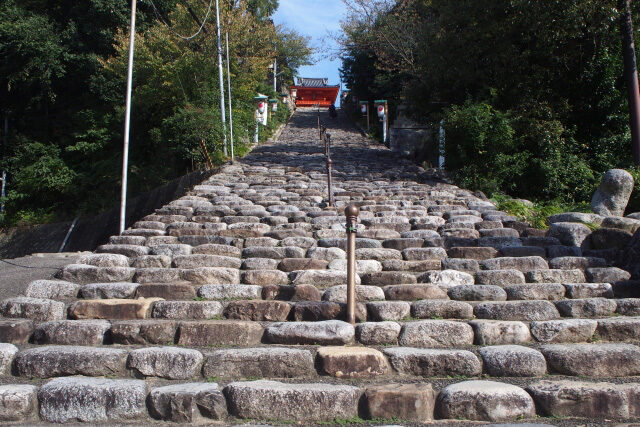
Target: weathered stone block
x: 500, y: 332
x: 186, y: 310
x: 586, y: 399
x: 166, y: 362
x: 485, y: 401
x: 436, y: 333
x: 414, y: 292
x: 516, y: 310
x: 72, y: 332
x: 563, y: 331
x: 116, y: 290
x: 51, y: 289
x: 92, y: 399
x: 16, y: 331
x: 433, y: 362
x: 143, y: 332
x: 112, y: 309
x: 513, y: 361
x: 17, y: 402
x: 257, y: 310
x: 260, y: 362
x: 188, y: 403
x: 477, y: 293
x: 210, y: 275
x: 352, y: 362
x: 445, y: 309
x: 589, y: 307
x: 446, y: 278
x: 55, y: 360
x: 411, y: 402
x: 7, y: 353
x: 303, y: 402
x: 594, y: 360
x: 378, y: 333
x: 224, y: 292
x: 388, y: 310
x: 219, y: 332
x: 329, y: 332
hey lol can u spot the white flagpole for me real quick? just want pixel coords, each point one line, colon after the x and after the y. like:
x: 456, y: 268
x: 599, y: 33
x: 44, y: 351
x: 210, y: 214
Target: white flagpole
x: 127, y: 121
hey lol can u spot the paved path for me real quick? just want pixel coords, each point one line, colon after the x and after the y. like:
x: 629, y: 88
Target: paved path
x: 17, y: 273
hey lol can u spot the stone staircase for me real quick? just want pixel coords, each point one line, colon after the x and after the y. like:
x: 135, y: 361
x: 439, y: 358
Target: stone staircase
x: 227, y: 305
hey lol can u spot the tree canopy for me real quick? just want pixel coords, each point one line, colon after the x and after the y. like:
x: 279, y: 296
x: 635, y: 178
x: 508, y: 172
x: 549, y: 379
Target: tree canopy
x: 531, y: 92
x: 63, y: 67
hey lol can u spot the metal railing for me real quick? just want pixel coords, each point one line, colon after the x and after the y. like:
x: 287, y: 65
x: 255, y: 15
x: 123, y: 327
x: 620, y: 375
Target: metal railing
x: 351, y: 212
x: 325, y: 137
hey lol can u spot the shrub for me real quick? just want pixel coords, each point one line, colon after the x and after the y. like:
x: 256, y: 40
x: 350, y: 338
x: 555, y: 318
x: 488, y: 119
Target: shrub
x: 525, y: 154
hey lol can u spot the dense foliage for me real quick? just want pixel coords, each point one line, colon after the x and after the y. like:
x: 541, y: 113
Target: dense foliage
x: 532, y: 93
x: 63, y: 67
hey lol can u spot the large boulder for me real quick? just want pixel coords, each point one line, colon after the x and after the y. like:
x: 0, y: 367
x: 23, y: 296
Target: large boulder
x: 612, y: 195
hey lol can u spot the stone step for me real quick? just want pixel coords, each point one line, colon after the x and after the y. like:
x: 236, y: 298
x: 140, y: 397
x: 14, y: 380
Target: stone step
x: 244, y: 277
x: 99, y: 400
x: 388, y: 318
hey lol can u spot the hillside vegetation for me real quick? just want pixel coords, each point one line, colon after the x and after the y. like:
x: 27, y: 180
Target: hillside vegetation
x: 531, y: 92
x: 63, y: 68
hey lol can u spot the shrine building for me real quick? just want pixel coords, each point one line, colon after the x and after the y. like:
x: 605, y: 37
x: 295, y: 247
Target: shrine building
x: 315, y: 91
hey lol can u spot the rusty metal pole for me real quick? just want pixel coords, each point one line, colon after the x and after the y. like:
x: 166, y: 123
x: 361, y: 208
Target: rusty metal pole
x: 329, y: 164
x: 324, y: 139
x: 351, y: 212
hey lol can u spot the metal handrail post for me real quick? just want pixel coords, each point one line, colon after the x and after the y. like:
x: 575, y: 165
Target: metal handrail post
x: 351, y: 212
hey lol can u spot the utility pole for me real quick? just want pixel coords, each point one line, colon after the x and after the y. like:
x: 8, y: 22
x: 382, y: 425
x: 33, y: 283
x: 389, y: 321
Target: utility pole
x: 226, y: 35
x: 222, y: 113
x: 127, y: 121
x: 275, y: 72
x: 631, y: 75
x: 5, y: 142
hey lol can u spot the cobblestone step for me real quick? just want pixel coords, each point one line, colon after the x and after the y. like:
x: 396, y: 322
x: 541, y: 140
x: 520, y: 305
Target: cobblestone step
x: 464, y: 312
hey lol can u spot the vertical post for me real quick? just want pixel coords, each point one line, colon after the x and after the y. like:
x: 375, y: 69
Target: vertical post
x: 275, y: 70
x: 631, y: 75
x: 229, y: 93
x: 127, y: 121
x: 385, y: 130
x: 351, y: 212
x: 367, y: 117
x: 327, y: 138
x: 324, y: 139
x: 5, y: 142
x: 221, y: 75
x: 441, y: 145
x: 256, y: 134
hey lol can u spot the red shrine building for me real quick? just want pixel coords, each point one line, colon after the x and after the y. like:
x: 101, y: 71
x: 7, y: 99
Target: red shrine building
x: 312, y: 91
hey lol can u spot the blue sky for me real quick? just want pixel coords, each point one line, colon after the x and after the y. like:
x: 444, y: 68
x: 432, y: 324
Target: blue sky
x: 314, y: 18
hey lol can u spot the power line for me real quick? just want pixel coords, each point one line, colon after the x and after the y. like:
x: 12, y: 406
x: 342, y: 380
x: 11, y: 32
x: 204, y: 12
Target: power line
x: 157, y: 13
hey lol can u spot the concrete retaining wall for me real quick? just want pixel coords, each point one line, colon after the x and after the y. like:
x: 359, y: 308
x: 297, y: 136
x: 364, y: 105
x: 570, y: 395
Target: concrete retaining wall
x: 95, y: 230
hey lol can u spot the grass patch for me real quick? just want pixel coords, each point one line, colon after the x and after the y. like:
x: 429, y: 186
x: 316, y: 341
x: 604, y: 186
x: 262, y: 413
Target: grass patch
x: 344, y: 421
x: 537, y: 214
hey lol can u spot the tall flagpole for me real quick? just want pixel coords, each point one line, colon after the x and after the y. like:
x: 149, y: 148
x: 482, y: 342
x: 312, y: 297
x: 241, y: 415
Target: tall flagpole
x: 222, y: 113
x: 127, y: 121
x: 229, y: 93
